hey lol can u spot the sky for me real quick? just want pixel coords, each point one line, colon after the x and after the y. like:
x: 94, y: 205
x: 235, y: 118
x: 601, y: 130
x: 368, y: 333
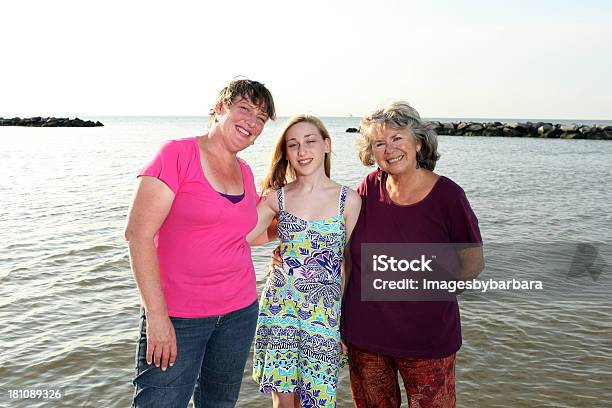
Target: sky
x: 476, y: 59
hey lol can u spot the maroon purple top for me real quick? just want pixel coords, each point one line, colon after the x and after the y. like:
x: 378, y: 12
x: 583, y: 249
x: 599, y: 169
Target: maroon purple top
x: 409, y: 329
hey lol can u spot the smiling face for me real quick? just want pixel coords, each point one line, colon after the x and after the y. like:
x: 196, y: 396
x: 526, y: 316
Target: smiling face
x: 306, y: 148
x: 241, y: 122
x: 395, y: 150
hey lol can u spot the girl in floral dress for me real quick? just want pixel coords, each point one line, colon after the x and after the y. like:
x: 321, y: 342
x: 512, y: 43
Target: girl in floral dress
x: 297, y: 343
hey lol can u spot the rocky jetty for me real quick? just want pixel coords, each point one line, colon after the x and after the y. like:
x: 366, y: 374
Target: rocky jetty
x: 523, y: 129
x: 48, y: 122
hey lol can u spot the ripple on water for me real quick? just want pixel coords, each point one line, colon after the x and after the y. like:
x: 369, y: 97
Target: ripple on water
x: 69, y: 307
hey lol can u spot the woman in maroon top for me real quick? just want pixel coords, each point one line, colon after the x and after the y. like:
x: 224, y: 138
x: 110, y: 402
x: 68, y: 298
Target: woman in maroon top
x: 404, y: 201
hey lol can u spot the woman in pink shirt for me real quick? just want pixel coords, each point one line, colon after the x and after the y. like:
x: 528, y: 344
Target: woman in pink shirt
x: 194, y: 205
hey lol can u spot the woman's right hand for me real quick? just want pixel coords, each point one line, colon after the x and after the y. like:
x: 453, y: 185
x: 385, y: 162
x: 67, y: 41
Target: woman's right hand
x: 343, y: 348
x: 161, y: 342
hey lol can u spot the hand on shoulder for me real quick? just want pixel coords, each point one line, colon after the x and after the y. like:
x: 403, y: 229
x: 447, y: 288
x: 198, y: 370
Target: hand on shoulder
x: 270, y: 200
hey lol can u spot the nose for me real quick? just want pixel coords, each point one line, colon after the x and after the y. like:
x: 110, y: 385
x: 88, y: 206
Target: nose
x: 251, y: 120
x: 389, y: 148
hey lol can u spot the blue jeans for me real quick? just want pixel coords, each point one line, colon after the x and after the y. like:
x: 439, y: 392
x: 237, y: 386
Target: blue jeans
x: 211, y: 355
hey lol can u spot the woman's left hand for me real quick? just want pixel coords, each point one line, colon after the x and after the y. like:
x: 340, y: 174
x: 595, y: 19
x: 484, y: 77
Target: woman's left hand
x: 276, y: 260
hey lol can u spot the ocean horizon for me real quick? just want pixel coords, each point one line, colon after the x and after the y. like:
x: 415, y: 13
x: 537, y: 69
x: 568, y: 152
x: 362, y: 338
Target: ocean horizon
x: 576, y: 121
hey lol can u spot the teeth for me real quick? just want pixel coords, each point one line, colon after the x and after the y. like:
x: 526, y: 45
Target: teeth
x: 396, y: 159
x: 306, y: 161
x: 243, y: 131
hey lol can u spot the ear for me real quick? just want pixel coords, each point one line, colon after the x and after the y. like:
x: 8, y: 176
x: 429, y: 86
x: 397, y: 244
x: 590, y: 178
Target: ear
x: 219, y: 108
x: 327, y: 145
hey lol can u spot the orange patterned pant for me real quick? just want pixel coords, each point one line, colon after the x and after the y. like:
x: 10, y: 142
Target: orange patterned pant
x: 430, y: 383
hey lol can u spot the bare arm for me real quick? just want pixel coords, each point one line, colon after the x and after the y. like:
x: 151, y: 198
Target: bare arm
x: 346, y: 266
x: 472, y: 262
x: 265, y: 230
x: 150, y: 206
x: 352, y: 209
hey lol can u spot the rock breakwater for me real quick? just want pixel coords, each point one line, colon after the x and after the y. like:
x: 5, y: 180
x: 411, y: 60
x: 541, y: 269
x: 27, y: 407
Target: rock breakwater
x: 544, y: 130
x: 49, y: 122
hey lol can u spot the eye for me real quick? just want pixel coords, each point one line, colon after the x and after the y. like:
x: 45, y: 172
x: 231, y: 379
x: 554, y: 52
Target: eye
x: 244, y: 108
x: 262, y: 120
x: 378, y: 145
x: 292, y: 145
x: 310, y: 141
x: 397, y: 137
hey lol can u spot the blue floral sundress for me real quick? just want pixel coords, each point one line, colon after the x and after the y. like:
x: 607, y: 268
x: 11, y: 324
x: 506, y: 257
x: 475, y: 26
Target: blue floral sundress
x: 297, y: 342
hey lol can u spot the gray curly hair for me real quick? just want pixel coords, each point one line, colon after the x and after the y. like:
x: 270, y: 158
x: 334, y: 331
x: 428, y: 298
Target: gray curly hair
x: 398, y: 115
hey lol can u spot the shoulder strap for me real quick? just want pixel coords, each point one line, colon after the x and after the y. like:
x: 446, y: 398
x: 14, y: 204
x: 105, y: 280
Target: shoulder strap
x: 280, y: 194
x: 342, y: 199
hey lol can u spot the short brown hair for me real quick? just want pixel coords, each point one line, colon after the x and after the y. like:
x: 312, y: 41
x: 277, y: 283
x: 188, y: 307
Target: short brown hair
x: 398, y: 115
x: 254, y: 91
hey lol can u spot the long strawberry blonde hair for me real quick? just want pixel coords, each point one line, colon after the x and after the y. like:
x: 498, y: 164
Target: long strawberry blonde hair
x: 281, y: 172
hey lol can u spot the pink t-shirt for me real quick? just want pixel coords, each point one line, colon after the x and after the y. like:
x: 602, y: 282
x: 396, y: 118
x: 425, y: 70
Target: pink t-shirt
x: 204, y: 258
